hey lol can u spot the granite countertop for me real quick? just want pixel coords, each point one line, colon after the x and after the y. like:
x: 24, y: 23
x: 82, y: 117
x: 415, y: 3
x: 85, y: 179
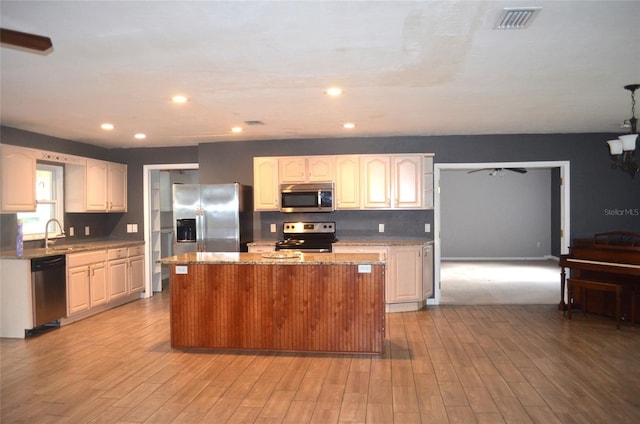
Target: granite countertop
x: 361, y: 242
x: 382, y: 242
x: 68, y: 248
x: 272, y: 258
x: 262, y: 243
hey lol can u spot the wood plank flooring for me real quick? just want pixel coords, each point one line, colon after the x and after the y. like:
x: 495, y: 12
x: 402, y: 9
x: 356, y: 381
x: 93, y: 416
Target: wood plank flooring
x: 447, y: 364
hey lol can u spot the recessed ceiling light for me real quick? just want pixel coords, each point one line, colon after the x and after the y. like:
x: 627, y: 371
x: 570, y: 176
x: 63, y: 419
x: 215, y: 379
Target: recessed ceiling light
x: 349, y: 125
x: 140, y: 136
x: 107, y: 126
x: 179, y: 99
x: 236, y: 129
x: 333, y: 91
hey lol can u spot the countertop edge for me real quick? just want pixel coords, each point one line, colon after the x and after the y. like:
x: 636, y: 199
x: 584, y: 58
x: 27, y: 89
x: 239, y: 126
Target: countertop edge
x: 61, y: 249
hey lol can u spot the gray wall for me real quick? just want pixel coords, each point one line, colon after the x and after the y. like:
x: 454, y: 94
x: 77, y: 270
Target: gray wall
x: 602, y: 199
x: 502, y: 216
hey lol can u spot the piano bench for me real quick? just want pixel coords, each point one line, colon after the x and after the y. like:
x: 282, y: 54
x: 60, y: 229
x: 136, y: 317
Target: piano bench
x: 583, y: 285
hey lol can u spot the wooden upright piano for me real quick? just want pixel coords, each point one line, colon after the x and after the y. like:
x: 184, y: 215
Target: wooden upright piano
x: 612, y: 257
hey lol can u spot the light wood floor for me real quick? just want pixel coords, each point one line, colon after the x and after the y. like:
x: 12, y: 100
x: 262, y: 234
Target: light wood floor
x: 447, y: 364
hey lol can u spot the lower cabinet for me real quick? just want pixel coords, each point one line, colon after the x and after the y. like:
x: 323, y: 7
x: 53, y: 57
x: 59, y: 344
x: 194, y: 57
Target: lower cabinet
x: 136, y: 269
x: 405, y: 267
x: 404, y: 279
x: 86, y: 281
x: 99, y: 280
x: 262, y: 248
x: 117, y: 270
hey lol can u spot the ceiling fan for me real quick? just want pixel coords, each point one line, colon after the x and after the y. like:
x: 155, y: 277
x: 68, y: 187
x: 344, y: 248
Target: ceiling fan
x: 496, y: 171
x: 25, y: 40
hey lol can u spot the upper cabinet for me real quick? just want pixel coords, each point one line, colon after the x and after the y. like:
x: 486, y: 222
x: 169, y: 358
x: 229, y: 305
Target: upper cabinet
x: 301, y: 169
x: 97, y: 186
x: 376, y: 181
x: 266, y: 190
x: 18, y: 179
x: 392, y: 182
x: 347, y: 189
x: 402, y: 181
x: 406, y: 182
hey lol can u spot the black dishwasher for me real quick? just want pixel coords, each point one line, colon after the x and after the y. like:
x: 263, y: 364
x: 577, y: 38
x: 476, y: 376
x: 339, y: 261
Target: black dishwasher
x: 49, y: 284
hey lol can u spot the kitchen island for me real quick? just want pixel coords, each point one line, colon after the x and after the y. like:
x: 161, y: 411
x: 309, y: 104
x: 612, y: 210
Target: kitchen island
x: 282, y: 301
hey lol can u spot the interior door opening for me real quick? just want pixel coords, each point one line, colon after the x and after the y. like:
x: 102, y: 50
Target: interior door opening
x: 560, y: 220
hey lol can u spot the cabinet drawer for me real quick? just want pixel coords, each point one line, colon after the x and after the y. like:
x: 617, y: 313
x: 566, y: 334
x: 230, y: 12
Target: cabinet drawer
x: 136, y: 250
x: 118, y: 253
x: 80, y: 259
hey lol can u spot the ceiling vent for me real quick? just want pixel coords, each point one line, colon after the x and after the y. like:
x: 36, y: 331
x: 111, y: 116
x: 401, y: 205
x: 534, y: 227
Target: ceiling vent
x: 254, y: 123
x: 517, y: 18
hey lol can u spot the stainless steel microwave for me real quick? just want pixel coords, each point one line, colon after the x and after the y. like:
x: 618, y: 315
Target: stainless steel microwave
x: 307, y: 197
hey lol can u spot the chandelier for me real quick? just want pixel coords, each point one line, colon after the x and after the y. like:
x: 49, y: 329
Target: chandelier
x: 623, y: 149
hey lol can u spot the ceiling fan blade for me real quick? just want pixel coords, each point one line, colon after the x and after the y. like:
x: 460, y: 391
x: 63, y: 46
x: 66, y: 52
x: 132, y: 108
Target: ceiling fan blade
x: 477, y: 170
x: 25, y: 40
x: 519, y: 170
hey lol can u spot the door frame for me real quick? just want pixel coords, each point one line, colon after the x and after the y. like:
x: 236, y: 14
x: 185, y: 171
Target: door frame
x: 565, y: 208
x: 148, y: 230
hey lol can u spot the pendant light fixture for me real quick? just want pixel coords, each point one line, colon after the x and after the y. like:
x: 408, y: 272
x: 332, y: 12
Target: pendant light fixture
x: 623, y: 148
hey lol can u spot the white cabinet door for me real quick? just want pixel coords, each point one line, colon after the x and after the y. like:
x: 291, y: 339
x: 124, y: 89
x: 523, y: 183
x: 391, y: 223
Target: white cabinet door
x: 266, y: 191
x: 18, y: 179
x: 321, y: 168
x: 406, y: 274
x: 375, y: 181
x: 293, y: 169
x: 78, y: 289
x: 407, y: 182
x: 97, y: 285
x: 427, y: 271
x: 347, y: 188
x: 117, y: 187
x: 96, y: 186
x: 117, y: 278
x: 300, y: 169
x: 97, y: 177
x: 136, y: 274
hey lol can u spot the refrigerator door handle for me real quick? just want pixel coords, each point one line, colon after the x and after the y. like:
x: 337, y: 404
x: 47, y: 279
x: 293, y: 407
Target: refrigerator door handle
x: 198, y: 232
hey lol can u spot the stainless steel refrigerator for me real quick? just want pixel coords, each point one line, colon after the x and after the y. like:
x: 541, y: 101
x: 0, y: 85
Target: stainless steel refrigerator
x: 212, y: 217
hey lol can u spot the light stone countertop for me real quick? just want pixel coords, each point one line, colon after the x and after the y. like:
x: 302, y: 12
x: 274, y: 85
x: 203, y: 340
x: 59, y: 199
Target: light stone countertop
x: 271, y: 258
x: 382, y: 242
x: 362, y: 242
x: 69, y: 248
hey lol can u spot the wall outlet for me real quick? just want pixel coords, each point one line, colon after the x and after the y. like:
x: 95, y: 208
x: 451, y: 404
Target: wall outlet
x: 381, y: 228
x: 427, y: 228
x: 273, y: 228
x: 71, y: 232
x: 87, y: 231
x: 134, y: 228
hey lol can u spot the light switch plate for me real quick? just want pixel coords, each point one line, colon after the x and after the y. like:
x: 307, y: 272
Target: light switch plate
x: 427, y: 228
x: 381, y: 228
x: 87, y: 231
x: 71, y: 232
x: 273, y: 228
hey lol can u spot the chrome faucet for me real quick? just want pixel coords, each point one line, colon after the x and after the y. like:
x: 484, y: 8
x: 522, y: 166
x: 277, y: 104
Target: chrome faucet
x: 46, y: 231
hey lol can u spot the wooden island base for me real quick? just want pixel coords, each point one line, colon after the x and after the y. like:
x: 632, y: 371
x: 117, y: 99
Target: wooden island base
x: 288, y: 307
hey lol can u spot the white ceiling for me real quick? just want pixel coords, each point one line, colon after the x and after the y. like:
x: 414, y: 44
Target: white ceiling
x: 406, y: 68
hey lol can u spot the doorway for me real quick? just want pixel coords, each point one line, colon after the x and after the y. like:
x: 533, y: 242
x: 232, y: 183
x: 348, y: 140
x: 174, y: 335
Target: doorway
x: 153, y: 223
x: 563, y: 207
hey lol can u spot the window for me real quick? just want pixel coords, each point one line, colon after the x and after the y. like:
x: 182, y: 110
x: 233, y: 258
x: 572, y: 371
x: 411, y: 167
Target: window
x: 49, y: 196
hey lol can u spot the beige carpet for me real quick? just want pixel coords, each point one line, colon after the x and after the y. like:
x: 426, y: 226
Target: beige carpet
x: 499, y: 282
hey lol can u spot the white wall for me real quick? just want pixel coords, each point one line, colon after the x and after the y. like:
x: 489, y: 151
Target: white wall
x: 485, y: 216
